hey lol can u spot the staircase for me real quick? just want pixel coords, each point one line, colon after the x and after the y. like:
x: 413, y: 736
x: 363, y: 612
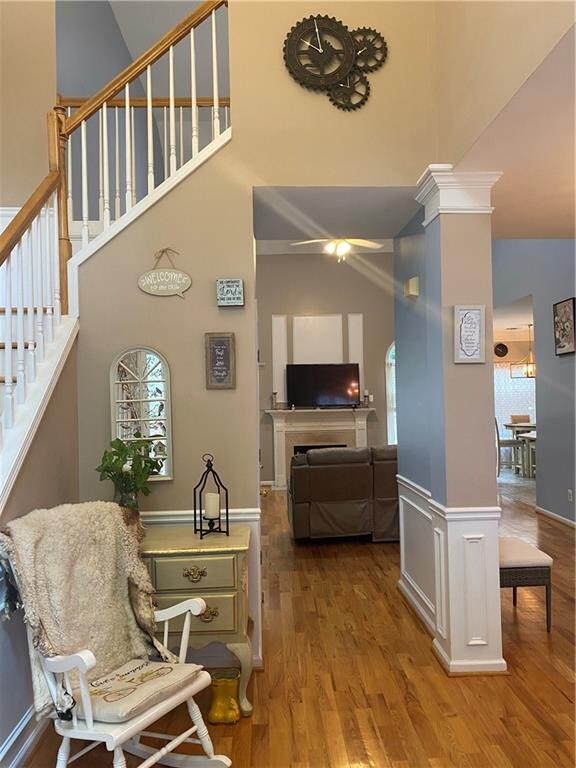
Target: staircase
x: 110, y: 158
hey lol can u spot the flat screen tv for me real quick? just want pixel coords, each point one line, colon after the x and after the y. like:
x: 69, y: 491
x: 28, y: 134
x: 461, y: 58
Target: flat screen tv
x: 323, y: 385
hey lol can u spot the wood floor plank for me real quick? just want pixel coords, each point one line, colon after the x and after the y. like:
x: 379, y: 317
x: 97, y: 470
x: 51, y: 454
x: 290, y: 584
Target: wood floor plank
x: 350, y: 679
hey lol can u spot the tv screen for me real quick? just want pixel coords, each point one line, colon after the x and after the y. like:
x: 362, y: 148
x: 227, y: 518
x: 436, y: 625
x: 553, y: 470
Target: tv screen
x: 323, y: 385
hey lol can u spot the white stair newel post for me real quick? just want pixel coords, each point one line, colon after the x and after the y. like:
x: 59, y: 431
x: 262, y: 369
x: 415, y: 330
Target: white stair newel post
x: 18, y: 256
x: 194, y: 95
x: 149, y: 129
x: 47, y: 273
x: 38, y: 290
x: 55, y: 260
x: 128, y: 149
x: 69, y: 175
x: 100, y: 168
x: 8, y: 379
x: 133, y: 149
x: 172, y: 112
x: 117, y: 209
x: 106, y: 168
x: 215, y: 94
x: 166, y: 150
x: 85, y: 229
x: 28, y: 246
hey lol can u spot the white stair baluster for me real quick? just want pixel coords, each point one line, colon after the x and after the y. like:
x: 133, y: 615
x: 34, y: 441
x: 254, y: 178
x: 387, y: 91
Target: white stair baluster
x: 38, y: 290
x: 8, y: 379
x: 55, y: 255
x: 215, y: 95
x: 117, y: 209
x: 100, y: 169
x: 166, y: 150
x: 85, y: 229
x: 28, y: 247
x: 149, y: 129
x: 172, y: 112
x: 226, y: 118
x: 47, y: 274
x: 133, y: 148
x: 194, y: 95
x: 18, y: 256
x: 69, y: 174
x: 106, y: 169
x: 128, y: 149
x: 181, y: 143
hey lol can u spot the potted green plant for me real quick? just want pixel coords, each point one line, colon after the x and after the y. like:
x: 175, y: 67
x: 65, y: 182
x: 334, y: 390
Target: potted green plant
x: 129, y: 465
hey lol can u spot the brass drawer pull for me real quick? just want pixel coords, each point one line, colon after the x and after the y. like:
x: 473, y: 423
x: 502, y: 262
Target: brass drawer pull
x: 194, y: 574
x: 209, y: 615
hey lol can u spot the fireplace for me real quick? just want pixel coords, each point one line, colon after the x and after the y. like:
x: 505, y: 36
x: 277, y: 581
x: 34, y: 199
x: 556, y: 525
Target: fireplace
x: 305, y: 448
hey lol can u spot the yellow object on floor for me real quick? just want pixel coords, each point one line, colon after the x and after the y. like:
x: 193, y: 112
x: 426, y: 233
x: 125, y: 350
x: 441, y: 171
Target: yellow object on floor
x: 225, y: 707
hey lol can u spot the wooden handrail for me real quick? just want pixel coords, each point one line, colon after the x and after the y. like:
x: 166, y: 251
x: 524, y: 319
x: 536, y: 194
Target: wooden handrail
x: 26, y: 215
x: 141, y: 102
x: 92, y: 105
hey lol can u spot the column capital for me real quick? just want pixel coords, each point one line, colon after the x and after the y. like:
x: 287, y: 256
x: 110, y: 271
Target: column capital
x: 441, y: 189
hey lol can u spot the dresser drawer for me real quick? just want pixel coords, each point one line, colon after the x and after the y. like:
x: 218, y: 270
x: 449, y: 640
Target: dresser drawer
x: 220, y: 613
x: 177, y: 573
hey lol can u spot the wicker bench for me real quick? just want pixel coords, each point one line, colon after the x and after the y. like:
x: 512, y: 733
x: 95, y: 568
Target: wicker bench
x: 523, y: 565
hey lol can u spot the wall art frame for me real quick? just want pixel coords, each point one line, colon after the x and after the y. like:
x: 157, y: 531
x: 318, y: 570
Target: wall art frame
x: 469, y: 333
x: 220, y: 360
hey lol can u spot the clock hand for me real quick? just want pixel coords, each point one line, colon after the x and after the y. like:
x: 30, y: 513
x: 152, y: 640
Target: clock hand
x: 361, y: 51
x: 318, y: 37
x: 310, y: 45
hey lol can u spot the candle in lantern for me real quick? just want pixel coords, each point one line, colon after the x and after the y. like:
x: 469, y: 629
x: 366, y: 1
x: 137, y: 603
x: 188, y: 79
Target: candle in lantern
x: 211, y: 506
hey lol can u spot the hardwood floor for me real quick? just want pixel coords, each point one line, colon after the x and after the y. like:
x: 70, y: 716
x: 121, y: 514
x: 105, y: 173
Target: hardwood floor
x: 351, y: 680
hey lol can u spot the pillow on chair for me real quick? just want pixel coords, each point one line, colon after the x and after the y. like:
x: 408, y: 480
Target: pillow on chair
x: 135, y: 687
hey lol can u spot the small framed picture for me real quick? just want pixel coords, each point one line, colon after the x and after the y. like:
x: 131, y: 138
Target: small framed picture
x: 230, y: 292
x: 220, y: 350
x: 469, y: 333
x: 564, y: 326
x: 517, y: 371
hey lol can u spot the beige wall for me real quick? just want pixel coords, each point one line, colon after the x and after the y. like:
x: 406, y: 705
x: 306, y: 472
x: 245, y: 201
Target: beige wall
x: 27, y: 93
x: 316, y: 285
x: 49, y: 475
x: 485, y: 51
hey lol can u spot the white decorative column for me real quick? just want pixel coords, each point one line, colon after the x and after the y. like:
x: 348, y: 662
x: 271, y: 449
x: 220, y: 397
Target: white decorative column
x: 449, y: 531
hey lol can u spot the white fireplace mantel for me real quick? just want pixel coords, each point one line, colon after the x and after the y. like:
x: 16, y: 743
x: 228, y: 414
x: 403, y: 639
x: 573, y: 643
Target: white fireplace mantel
x: 317, y: 420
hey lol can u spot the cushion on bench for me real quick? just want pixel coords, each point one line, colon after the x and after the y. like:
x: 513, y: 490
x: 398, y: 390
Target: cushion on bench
x: 515, y: 553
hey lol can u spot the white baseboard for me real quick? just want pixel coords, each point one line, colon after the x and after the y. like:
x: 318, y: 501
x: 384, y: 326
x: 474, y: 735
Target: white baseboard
x: 22, y: 739
x: 266, y: 483
x: 470, y: 666
x: 557, y: 518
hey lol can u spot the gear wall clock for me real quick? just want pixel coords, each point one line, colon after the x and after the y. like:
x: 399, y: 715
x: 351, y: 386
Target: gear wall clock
x: 323, y: 55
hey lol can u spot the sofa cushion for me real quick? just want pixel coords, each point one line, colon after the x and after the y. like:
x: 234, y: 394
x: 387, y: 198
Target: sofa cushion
x: 134, y: 687
x: 321, y: 456
x: 340, y: 482
x: 299, y: 459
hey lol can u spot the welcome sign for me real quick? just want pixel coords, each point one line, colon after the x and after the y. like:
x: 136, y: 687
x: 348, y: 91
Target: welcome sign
x: 165, y: 282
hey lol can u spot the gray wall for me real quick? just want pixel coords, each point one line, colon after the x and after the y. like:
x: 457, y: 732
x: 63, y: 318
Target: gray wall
x: 48, y: 477
x: 317, y: 285
x: 412, y: 386
x: 545, y: 270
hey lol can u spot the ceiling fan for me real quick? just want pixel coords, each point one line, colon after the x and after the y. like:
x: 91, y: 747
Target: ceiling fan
x: 341, y: 247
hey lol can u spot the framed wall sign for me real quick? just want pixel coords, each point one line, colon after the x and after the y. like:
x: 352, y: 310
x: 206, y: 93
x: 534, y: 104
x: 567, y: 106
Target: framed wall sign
x: 230, y: 292
x: 469, y: 334
x: 220, y: 349
x: 564, y: 311
x: 167, y: 281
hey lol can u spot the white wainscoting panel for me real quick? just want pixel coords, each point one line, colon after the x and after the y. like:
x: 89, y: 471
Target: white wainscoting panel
x: 317, y: 339
x: 279, y: 355
x: 417, y: 555
x: 356, y: 344
x: 476, y: 610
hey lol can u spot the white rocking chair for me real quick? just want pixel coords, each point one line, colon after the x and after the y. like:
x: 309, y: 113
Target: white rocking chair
x: 120, y: 736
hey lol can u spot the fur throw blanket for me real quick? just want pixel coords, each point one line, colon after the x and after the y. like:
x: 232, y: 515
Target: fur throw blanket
x: 83, y: 586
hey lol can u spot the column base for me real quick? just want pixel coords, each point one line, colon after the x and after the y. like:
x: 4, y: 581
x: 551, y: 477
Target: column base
x: 456, y: 668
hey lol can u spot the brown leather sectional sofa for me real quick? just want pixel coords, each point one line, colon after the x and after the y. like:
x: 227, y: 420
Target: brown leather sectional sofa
x: 344, y: 492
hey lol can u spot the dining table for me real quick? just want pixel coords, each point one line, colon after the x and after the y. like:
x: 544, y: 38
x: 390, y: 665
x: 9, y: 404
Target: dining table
x: 520, y: 430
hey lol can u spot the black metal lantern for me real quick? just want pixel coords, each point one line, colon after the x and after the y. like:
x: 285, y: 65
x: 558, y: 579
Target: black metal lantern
x: 207, y: 509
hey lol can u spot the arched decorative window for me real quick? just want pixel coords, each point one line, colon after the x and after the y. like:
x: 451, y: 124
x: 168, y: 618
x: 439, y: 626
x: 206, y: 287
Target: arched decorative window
x: 140, y: 400
x: 391, y: 394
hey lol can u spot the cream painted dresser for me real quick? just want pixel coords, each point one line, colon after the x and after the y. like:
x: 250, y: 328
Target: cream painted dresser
x: 214, y: 568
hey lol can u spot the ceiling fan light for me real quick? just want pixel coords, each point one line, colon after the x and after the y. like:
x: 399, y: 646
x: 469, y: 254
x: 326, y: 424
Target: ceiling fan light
x: 331, y: 247
x: 343, y: 247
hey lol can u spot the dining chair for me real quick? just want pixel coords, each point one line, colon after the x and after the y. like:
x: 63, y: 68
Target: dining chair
x: 513, y: 444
